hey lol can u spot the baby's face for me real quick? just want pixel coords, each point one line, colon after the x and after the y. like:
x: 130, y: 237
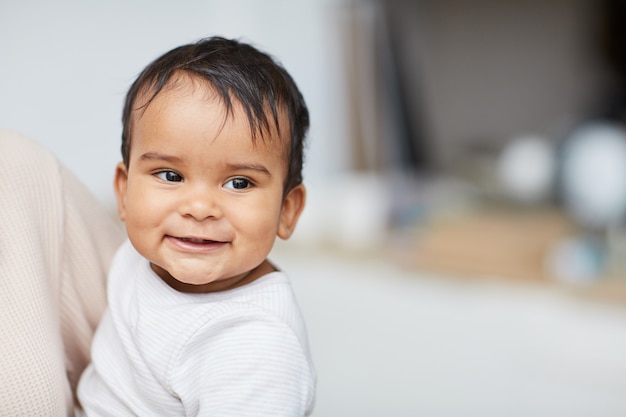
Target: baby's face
x: 202, y: 201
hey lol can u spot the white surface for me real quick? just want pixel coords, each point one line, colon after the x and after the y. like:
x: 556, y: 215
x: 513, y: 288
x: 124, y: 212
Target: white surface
x: 388, y: 342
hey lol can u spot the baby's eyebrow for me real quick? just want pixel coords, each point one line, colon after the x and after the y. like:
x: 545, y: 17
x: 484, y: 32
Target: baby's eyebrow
x: 159, y: 156
x: 254, y: 167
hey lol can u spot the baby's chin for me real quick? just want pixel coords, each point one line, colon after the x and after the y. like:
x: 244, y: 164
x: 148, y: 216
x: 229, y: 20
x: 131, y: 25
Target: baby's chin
x: 190, y: 280
x: 183, y: 276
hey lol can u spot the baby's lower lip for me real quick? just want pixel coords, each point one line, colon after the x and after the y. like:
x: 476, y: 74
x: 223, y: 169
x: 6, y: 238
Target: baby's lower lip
x: 195, y: 243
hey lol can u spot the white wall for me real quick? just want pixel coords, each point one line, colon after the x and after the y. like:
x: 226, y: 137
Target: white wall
x: 65, y: 67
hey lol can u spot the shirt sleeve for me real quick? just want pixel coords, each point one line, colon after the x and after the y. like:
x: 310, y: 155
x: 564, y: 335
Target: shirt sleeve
x: 247, y: 365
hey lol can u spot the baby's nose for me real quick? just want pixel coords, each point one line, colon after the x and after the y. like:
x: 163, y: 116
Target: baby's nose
x: 200, y: 203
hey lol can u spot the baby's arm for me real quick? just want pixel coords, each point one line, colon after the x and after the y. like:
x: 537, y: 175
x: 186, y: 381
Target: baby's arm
x: 246, y: 366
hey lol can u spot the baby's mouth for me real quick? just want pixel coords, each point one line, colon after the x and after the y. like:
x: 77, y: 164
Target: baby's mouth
x: 196, y: 243
x: 195, y: 240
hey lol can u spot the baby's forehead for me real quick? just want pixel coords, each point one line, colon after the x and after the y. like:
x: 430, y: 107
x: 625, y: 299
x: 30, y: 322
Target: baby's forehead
x: 269, y: 128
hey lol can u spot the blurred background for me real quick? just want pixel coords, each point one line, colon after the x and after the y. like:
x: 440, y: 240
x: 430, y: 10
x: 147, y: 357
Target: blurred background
x: 463, y: 250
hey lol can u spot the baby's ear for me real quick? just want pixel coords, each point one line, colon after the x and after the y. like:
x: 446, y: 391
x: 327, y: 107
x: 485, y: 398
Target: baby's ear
x: 120, y: 183
x: 293, y: 204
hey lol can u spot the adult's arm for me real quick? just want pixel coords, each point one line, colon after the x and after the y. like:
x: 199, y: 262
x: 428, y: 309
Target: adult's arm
x: 56, y: 242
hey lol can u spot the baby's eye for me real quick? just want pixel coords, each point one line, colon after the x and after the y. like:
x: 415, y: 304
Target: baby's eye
x: 169, y: 176
x: 238, y: 184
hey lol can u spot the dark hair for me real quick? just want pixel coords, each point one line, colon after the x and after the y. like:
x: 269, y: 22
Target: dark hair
x: 235, y: 70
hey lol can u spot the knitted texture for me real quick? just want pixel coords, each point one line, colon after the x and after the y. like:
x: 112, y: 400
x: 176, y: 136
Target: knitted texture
x: 56, y: 243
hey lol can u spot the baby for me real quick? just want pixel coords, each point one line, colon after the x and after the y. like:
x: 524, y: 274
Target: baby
x: 199, y: 321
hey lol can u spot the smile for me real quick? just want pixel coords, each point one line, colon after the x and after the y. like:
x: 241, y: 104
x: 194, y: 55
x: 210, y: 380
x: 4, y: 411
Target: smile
x: 195, y: 240
x: 194, y: 243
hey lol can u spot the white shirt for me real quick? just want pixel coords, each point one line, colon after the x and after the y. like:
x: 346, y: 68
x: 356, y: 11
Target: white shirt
x: 160, y: 352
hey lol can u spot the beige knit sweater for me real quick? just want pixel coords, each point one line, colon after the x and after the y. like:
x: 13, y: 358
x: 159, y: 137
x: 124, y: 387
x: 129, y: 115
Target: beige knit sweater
x: 56, y: 243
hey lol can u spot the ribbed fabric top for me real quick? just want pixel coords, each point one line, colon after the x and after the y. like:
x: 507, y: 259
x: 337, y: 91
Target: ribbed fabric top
x: 242, y: 352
